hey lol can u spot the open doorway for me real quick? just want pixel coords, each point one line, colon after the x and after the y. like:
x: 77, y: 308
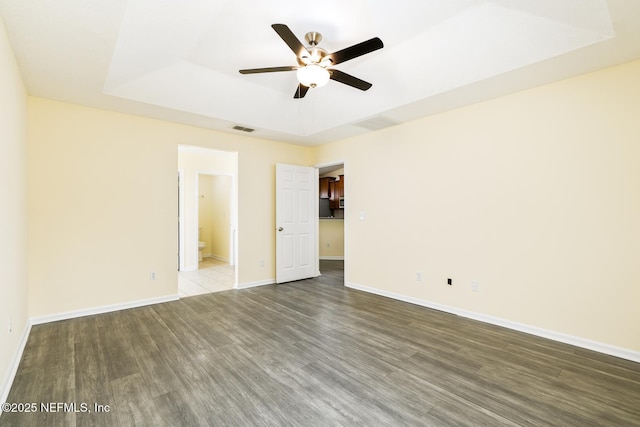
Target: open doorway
x: 208, y: 220
x: 331, y: 218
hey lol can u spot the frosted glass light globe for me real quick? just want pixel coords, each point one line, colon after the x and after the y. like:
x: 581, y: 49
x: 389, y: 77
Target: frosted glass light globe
x: 313, y: 75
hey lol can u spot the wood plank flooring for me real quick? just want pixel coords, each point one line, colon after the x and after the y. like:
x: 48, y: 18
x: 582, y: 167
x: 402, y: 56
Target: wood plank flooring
x: 313, y: 353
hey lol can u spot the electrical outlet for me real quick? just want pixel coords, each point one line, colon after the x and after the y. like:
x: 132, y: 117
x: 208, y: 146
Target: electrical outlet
x: 10, y: 324
x: 475, y: 286
x: 449, y: 282
x: 152, y: 275
x: 262, y: 263
x: 418, y: 277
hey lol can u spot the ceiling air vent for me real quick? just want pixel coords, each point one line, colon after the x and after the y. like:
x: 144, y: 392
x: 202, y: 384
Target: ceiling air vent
x: 376, y: 123
x: 243, y: 129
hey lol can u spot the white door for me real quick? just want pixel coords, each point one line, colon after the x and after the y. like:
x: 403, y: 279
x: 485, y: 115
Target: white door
x: 295, y: 222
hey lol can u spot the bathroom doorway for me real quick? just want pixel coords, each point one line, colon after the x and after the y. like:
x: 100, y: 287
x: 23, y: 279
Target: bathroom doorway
x: 208, y: 226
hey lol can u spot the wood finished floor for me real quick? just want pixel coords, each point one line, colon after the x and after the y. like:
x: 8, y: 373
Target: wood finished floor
x: 314, y: 353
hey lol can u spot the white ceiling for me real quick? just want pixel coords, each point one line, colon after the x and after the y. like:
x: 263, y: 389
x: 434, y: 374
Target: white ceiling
x: 178, y: 60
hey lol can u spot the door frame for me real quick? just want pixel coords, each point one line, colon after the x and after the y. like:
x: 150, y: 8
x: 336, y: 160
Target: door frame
x: 187, y: 216
x: 319, y: 166
x: 181, y: 220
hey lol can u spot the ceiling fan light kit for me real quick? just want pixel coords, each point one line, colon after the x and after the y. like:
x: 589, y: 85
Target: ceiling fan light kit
x: 314, y: 62
x: 313, y: 75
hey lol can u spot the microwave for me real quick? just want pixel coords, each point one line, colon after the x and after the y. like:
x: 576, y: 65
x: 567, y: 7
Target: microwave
x: 341, y: 202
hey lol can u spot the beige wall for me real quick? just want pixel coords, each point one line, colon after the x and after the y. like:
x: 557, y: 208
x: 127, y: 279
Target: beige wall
x: 219, y: 234
x: 102, y: 208
x: 102, y: 204
x: 215, y: 214
x: 205, y: 210
x: 331, y: 236
x: 535, y: 195
x: 13, y: 210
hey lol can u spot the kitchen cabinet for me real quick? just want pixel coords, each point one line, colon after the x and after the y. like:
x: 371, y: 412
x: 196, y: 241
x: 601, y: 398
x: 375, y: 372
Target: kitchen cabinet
x: 325, y: 189
x: 336, y: 189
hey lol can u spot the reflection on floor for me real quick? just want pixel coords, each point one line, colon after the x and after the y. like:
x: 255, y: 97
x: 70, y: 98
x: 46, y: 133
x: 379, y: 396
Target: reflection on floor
x: 212, y: 276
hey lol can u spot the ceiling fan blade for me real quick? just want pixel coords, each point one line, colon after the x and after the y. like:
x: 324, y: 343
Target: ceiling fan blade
x: 356, y: 50
x: 348, y: 79
x: 267, y: 70
x: 290, y: 39
x: 301, y: 91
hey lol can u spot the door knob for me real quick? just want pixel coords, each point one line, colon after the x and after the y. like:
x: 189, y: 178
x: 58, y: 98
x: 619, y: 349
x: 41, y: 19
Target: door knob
x: 280, y: 228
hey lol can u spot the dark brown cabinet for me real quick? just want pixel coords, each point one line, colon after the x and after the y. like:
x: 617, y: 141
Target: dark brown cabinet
x: 325, y: 187
x: 336, y: 189
x: 332, y: 199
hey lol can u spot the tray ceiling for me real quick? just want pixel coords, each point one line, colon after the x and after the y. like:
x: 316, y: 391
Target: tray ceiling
x: 179, y: 60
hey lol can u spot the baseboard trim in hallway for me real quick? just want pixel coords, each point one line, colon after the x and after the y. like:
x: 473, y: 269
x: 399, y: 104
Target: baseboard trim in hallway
x: 623, y: 353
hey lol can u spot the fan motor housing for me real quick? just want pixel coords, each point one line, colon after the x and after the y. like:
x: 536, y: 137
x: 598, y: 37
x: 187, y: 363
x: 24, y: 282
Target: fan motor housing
x: 313, y: 38
x: 316, y: 54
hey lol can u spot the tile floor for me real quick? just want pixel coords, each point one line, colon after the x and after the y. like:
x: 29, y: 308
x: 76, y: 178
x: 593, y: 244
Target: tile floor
x: 212, y: 275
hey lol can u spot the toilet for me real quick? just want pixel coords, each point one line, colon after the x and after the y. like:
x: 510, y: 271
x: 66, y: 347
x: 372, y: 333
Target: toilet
x: 201, y: 244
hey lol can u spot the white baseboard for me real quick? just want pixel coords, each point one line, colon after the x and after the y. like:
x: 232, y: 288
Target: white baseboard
x: 218, y: 257
x: 256, y: 283
x: 622, y: 353
x: 189, y: 268
x: 332, y: 258
x: 13, y: 369
x: 102, y: 309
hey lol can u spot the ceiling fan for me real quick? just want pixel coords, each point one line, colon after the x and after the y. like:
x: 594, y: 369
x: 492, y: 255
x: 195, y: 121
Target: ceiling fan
x: 313, y: 69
